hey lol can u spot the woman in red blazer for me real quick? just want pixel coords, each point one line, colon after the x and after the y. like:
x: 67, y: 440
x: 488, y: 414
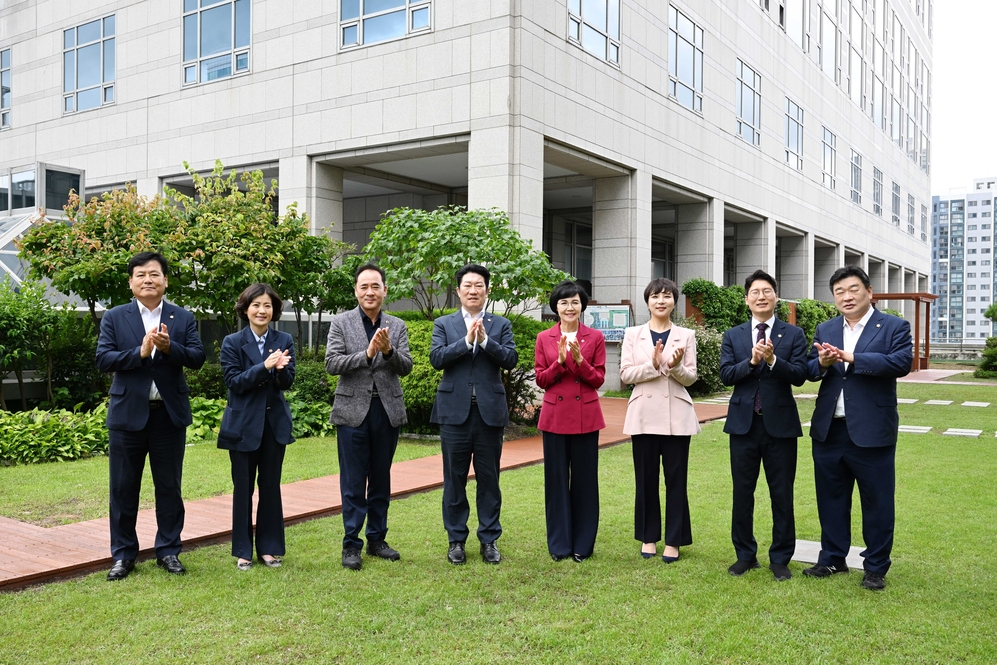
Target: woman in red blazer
x: 570, y: 363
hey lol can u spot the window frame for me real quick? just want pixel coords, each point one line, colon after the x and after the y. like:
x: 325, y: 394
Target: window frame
x: 856, y: 173
x: 755, y: 88
x: 234, y: 52
x: 577, y: 25
x: 8, y: 70
x: 877, y: 192
x: 103, y: 86
x: 896, y: 204
x: 698, y: 57
x: 796, y: 153
x: 409, y: 7
x: 829, y: 157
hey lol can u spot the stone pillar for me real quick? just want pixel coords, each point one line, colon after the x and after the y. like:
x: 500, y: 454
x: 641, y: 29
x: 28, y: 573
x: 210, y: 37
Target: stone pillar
x: 699, y: 242
x: 505, y: 171
x: 148, y: 187
x: 317, y: 189
x: 796, y: 262
x: 826, y: 261
x: 754, y: 248
x: 878, y: 277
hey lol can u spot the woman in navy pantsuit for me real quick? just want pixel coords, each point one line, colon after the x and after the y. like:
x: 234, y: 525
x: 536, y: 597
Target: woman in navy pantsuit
x: 258, y: 363
x: 570, y: 364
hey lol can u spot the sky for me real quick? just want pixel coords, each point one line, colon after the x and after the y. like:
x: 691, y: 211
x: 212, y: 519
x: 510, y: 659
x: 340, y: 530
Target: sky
x: 964, y: 99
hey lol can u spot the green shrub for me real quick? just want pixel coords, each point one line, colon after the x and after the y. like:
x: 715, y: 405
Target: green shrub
x: 207, y: 418
x: 420, y: 385
x: 722, y: 307
x: 30, y: 437
x: 207, y: 382
x: 309, y: 418
x: 312, y: 383
x: 707, y: 360
x: 76, y: 380
x: 520, y: 389
x: 811, y: 313
x: 987, y: 369
x: 892, y: 312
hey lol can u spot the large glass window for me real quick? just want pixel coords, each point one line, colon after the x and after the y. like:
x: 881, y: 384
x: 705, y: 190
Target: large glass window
x: 4, y: 89
x: 595, y: 26
x: 796, y: 21
x: 794, y: 135
x: 856, y: 177
x: 896, y: 204
x: 88, y: 65
x: 877, y: 192
x: 924, y: 222
x: 372, y: 21
x: 4, y: 192
x: 685, y: 60
x: 911, y: 211
x: 749, y: 104
x: 829, y: 46
x: 830, y: 156
x: 216, y: 39
x: 58, y: 185
x: 856, y: 67
x: 22, y: 190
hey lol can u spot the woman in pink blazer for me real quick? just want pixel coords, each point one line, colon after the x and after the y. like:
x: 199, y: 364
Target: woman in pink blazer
x: 659, y: 358
x: 570, y: 363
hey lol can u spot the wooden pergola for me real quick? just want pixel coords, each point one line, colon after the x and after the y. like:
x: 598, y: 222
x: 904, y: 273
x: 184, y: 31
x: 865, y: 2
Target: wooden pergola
x: 920, y: 362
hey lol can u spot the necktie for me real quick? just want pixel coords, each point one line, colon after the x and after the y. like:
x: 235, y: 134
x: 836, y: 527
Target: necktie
x: 762, y: 327
x: 261, y: 342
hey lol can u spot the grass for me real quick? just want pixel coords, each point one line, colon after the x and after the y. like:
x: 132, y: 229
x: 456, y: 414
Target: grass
x: 968, y: 376
x: 614, y: 608
x: 61, y: 493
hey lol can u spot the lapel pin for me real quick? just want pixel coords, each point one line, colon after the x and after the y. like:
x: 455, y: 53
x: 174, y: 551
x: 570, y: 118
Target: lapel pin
x: 779, y: 335
x: 269, y: 350
x: 171, y: 316
x: 877, y: 325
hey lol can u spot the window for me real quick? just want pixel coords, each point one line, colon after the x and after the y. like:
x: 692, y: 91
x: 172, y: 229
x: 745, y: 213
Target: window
x: 985, y: 238
x: 924, y: 222
x: 855, y: 69
x: 971, y: 227
x: 685, y: 60
x: 877, y: 192
x: 856, y: 177
x: 4, y: 90
x: 749, y: 102
x: 216, y: 38
x: 796, y: 22
x: 828, y: 47
x: 910, y: 214
x: 22, y: 190
x: 592, y: 24
x: 794, y: 135
x: 88, y: 65
x: 972, y: 215
x: 972, y: 203
x: 984, y: 214
x: 896, y: 204
x: 829, y: 157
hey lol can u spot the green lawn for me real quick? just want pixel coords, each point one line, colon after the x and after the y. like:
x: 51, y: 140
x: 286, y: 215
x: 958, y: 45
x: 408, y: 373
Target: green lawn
x: 64, y: 492
x: 968, y: 376
x: 938, y: 606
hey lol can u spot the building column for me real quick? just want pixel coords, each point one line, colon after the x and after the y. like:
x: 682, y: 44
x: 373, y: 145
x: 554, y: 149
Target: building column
x: 796, y: 262
x: 699, y: 242
x: 505, y: 168
x: 877, y: 275
x: 317, y: 189
x: 826, y: 261
x: 754, y: 248
x: 148, y: 187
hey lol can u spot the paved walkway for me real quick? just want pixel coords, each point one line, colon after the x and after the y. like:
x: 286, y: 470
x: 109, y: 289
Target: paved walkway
x: 32, y: 554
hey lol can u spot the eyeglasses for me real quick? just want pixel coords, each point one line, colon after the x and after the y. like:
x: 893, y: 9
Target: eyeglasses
x: 754, y: 293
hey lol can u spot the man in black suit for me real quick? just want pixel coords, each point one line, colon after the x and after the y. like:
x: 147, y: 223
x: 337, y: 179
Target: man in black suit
x: 858, y: 358
x: 472, y: 347
x: 146, y: 344
x: 763, y: 359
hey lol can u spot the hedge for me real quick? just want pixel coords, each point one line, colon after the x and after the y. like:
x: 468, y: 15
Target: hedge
x: 30, y: 437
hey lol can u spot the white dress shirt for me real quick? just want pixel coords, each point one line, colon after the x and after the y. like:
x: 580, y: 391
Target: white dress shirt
x: 469, y: 319
x: 850, y: 339
x: 768, y: 333
x: 151, y: 319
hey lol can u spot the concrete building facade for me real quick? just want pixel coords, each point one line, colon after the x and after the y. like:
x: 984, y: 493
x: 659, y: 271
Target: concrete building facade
x: 962, y: 249
x: 627, y: 138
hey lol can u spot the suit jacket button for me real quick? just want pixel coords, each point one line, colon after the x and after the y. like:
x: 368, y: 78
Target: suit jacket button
x: 577, y: 381
x: 577, y: 397
x: 559, y: 398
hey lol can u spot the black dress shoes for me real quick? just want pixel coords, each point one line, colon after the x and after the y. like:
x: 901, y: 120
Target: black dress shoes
x: 120, y: 570
x: 490, y: 553
x: 172, y: 565
x: 874, y: 581
x: 351, y: 558
x: 740, y: 567
x: 456, y: 554
x: 824, y: 571
x: 382, y: 550
x: 780, y: 572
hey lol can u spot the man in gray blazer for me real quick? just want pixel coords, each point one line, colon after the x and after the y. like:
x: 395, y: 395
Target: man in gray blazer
x: 472, y: 346
x: 369, y: 351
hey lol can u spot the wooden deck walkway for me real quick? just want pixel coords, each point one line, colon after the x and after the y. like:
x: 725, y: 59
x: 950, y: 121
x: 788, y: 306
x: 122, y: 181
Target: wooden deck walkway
x: 32, y: 554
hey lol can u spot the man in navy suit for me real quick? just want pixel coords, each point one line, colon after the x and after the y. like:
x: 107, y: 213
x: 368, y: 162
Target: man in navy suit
x: 857, y: 357
x: 472, y: 346
x: 763, y: 359
x: 147, y: 343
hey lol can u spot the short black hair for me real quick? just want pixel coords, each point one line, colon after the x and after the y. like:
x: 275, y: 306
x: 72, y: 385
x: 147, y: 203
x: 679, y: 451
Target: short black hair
x: 850, y: 271
x: 254, y: 291
x: 566, y: 289
x: 473, y: 268
x: 142, y: 258
x: 760, y: 275
x: 364, y: 267
x: 659, y: 285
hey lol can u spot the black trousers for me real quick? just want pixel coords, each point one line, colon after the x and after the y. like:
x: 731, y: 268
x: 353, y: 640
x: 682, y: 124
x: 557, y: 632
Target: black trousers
x: 164, y: 443
x: 475, y: 441
x: 571, y: 492
x: 672, y: 453
x: 838, y: 465
x: 365, y: 456
x: 747, y: 453
x: 262, y: 465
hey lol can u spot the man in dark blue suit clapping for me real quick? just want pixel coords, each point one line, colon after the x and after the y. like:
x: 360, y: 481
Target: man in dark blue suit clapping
x: 857, y: 357
x: 146, y: 344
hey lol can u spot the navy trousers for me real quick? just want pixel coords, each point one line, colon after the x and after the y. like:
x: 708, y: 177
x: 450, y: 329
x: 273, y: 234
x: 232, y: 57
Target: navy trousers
x: 747, y: 453
x: 475, y: 441
x: 164, y: 443
x: 838, y: 465
x: 262, y: 465
x: 365, y: 456
x: 571, y: 492
x: 672, y: 453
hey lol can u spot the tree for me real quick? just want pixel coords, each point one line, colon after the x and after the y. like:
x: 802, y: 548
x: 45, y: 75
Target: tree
x: 28, y: 324
x: 421, y: 251
x: 87, y: 253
